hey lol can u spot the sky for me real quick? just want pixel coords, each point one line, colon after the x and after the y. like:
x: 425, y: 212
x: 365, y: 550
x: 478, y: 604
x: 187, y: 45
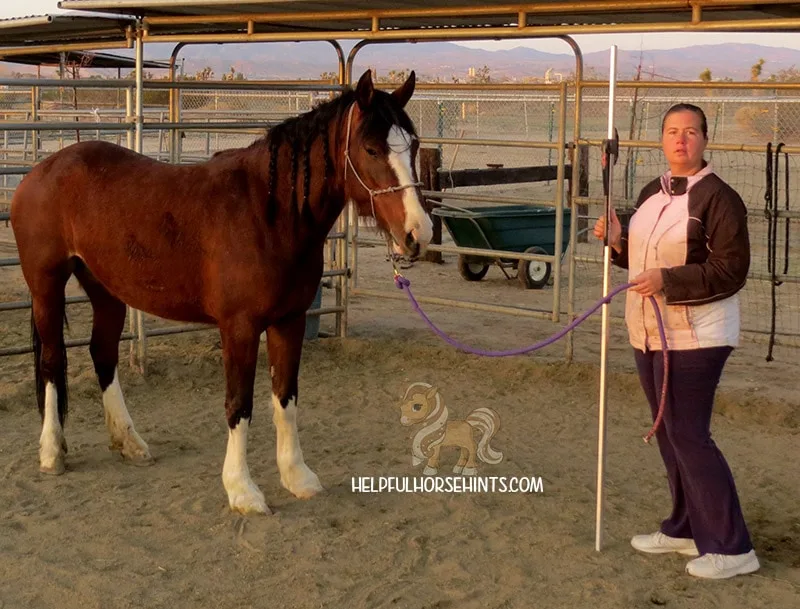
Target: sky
x: 18, y: 8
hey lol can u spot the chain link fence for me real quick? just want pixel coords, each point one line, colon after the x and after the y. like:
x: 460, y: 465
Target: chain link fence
x: 740, y: 115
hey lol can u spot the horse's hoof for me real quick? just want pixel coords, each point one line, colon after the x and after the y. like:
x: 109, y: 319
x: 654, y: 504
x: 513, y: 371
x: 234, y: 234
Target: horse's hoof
x: 469, y: 471
x: 457, y: 469
x: 301, y: 482
x: 140, y: 461
x: 429, y: 471
x: 137, y: 456
x: 248, y: 502
x: 133, y: 449
x: 52, y: 467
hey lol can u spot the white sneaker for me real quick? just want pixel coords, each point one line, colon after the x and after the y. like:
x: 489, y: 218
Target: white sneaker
x: 658, y: 543
x: 721, y: 566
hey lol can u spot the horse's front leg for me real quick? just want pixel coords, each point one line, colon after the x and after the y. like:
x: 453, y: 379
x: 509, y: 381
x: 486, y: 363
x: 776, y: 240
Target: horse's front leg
x: 285, y: 344
x: 240, y: 355
x: 432, y: 466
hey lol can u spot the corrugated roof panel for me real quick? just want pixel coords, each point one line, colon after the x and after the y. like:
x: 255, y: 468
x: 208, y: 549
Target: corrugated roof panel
x: 162, y: 16
x: 37, y: 29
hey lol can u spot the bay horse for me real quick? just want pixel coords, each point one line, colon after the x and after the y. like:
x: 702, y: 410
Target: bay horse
x: 236, y: 241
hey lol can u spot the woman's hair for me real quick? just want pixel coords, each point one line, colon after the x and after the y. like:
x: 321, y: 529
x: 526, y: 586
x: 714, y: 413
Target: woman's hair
x: 690, y: 108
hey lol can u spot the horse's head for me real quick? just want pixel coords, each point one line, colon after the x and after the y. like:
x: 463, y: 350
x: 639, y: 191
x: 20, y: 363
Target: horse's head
x: 418, y: 403
x: 380, y: 156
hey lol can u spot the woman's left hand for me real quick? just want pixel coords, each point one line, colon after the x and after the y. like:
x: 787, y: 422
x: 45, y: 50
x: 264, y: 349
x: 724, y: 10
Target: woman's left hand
x: 648, y: 282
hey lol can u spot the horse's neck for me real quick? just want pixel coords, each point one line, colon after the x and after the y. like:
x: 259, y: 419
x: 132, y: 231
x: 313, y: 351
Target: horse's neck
x: 288, y: 211
x: 328, y: 197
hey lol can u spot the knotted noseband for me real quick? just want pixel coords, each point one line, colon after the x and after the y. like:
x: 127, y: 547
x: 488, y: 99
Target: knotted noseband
x: 348, y: 161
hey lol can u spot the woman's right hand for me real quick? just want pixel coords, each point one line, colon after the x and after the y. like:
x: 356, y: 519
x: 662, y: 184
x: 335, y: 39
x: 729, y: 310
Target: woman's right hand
x: 614, y: 230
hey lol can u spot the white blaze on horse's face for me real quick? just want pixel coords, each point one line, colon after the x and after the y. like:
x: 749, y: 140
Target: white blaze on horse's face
x: 417, y: 222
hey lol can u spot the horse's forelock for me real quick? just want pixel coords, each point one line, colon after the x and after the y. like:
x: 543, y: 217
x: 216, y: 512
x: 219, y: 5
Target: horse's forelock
x: 383, y: 114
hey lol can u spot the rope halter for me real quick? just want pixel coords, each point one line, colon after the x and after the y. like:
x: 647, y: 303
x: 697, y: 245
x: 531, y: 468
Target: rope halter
x: 348, y: 161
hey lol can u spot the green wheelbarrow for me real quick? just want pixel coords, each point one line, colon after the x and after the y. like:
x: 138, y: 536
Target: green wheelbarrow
x: 528, y: 229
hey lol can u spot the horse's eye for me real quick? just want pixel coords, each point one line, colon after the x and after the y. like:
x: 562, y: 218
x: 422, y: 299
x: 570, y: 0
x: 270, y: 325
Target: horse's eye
x: 372, y: 152
x: 416, y: 407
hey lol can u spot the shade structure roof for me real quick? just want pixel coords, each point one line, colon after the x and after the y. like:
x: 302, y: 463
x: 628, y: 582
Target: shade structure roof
x: 423, y: 18
x: 85, y: 59
x: 69, y: 27
x: 108, y: 24
x: 28, y: 36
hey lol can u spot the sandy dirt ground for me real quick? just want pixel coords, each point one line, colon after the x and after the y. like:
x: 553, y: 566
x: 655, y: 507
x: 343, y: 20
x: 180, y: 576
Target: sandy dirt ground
x: 110, y: 535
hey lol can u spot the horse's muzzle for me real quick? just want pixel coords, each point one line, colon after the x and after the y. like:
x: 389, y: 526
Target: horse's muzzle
x: 412, y: 245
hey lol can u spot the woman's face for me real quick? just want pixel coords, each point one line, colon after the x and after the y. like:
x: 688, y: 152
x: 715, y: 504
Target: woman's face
x: 683, y: 142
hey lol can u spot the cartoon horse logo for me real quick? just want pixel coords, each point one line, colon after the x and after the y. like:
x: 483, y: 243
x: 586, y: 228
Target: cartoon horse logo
x: 422, y: 403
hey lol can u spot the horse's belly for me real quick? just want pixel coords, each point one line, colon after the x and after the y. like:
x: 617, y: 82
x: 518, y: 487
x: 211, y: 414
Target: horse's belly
x: 156, y: 288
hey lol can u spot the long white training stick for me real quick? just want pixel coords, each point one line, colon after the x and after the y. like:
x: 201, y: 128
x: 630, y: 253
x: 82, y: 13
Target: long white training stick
x: 601, y: 438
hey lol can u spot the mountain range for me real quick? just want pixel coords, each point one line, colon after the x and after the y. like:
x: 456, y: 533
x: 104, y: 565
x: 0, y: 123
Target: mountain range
x: 449, y: 61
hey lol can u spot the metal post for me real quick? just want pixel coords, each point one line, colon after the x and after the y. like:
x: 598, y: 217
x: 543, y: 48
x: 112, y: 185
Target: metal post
x: 575, y: 187
x: 562, y: 129
x: 601, y: 438
x: 141, y: 336
x: 34, y: 118
x: 343, y: 225
x: 130, y: 145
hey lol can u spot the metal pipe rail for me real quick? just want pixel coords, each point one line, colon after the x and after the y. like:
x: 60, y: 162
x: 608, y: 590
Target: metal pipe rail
x: 183, y: 329
x: 505, y: 143
x: 66, y: 126
x: 20, y: 305
x: 78, y: 342
x: 473, y: 251
x: 13, y: 171
x: 675, y: 84
x: 459, y: 304
x: 210, y: 127
x: 238, y: 85
x: 443, y: 194
x: 710, y: 146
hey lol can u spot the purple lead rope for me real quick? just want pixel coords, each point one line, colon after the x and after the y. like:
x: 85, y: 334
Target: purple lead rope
x: 404, y: 284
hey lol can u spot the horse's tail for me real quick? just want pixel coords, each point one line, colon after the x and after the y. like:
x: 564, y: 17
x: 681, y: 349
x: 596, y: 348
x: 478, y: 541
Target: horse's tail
x: 487, y: 421
x: 61, y: 378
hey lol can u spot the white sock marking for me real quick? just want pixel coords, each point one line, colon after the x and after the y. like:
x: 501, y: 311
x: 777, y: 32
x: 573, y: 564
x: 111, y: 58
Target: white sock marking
x: 295, y: 474
x: 120, y: 426
x: 243, y: 494
x: 51, y: 453
x: 417, y: 221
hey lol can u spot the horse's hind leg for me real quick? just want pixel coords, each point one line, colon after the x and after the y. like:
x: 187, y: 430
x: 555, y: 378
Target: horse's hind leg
x: 107, y: 326
x: 51, y: 369
x: 285, y: 343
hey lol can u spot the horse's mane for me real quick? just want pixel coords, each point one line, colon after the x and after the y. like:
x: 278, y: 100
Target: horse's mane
x: 300, y: 132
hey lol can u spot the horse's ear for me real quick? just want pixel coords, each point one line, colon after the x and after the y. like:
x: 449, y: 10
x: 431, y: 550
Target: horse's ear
x: 364, y: 90
x: 431, y: 393
x: 404, y: 93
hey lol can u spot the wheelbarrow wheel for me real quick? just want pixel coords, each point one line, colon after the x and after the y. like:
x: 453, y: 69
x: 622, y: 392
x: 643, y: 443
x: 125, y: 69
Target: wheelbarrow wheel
x: 533, y: 274
x: 472, y: 270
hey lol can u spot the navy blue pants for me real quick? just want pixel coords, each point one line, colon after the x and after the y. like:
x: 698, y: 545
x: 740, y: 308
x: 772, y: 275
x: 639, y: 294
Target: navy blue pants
x: 705, y: 505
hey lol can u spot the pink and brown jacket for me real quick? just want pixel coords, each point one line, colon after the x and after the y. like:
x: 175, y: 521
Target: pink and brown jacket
x: 694, y: 228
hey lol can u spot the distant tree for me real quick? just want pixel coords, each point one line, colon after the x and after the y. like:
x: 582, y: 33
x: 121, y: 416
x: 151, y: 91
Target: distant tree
x: 233, y: 75
x: 705, y: 75
x: 756, y: 69
x: 786, y: 75
x: 482, y: 75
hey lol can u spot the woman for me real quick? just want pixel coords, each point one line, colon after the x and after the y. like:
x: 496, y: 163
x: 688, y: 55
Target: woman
x: 688, y: 246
